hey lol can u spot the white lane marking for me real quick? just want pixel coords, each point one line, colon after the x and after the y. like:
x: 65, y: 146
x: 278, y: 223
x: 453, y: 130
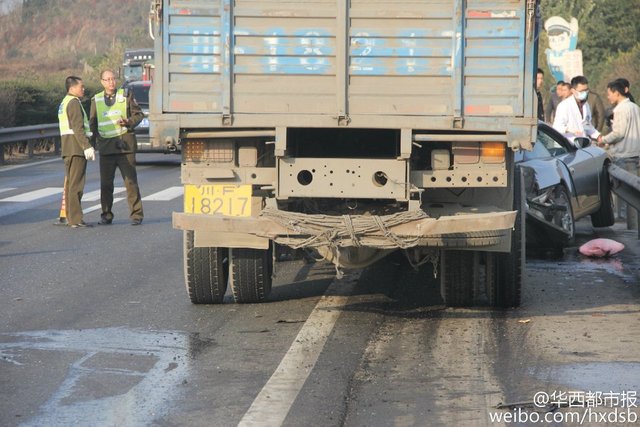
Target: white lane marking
x: 274, y: 401
x: 166, y: 194
x: 144, y: 371
x: 33, y: 195
x: 96, y: 207
x: 2, y: 190
x: 14, y: 167
x: 93, y: 196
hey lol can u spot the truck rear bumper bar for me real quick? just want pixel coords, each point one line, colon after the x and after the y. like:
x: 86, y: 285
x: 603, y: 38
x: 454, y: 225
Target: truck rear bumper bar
x: 469, y: 227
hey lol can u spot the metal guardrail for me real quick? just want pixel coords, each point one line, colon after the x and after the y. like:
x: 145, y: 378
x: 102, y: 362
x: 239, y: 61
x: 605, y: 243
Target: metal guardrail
x: 627, y: 186
x: 28, y: 134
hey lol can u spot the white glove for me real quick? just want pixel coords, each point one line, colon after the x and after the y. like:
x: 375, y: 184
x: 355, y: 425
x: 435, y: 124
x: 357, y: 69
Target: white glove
x: 90, y: 153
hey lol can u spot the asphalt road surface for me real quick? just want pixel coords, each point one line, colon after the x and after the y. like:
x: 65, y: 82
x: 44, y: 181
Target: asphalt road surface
x: 96, y: 330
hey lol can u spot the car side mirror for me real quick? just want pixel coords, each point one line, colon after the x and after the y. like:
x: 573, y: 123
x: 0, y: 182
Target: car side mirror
x: 582, y: 142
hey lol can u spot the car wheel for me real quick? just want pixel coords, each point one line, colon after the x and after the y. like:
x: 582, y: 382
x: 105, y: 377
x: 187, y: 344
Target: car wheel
x: 604, y: 217
x: 562, y: 215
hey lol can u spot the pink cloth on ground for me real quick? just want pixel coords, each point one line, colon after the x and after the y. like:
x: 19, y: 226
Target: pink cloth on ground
x: 601, y: 248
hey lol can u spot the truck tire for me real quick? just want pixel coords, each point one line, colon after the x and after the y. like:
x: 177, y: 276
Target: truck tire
x: 504, y: 272
x: 250, y: 274
x: 457, y: 278
x: 206, y: 271
x: 604, y: 216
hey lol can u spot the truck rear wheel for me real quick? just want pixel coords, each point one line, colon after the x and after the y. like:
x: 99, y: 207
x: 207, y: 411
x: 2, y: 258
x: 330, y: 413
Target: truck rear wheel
x: 206, y: 271
x: 457, y: 278
x: 504, y: 271
x: 250, y: 274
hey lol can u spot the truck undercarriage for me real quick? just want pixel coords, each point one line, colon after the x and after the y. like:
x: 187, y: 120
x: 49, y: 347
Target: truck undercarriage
x: 352, y: 197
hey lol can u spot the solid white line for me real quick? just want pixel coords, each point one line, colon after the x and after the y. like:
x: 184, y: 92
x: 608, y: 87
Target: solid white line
x: 24, y: 165
x: 2, y: 190
x: 33, y: 195
x: 96, y: 207
x: 274, y: 401
x: 166, y: 194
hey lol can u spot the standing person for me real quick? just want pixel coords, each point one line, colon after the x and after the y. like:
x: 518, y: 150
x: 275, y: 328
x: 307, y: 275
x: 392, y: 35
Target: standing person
x: 114, y: 115
x: 539, y: 84
x: 556, y: 98
x: 76, y: 148
x: 573, y: 115
x: 625, y: 83
x: 623, y: 143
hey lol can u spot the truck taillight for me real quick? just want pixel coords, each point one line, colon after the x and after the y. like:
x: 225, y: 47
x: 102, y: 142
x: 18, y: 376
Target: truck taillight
x: 194, y: 151
x: 467, y: 153
x: 493, y: 152
x: 208, y: 150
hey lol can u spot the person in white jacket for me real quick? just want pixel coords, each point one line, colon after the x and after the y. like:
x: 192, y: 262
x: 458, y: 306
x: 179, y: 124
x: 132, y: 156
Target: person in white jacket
x: 573, y: 115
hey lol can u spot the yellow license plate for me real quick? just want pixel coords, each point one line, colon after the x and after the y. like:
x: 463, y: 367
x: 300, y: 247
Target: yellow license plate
x: 228, y: 200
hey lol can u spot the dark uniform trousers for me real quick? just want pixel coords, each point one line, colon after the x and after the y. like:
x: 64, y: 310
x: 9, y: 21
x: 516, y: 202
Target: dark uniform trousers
x: 75, y: 168
x: 127, y: 165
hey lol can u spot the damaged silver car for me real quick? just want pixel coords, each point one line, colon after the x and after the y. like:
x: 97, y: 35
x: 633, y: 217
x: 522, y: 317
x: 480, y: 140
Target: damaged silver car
x: 563, y: 183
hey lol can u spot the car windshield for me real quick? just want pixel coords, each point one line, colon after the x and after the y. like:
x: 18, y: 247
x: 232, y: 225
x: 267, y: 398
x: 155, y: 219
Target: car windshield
x: 554, y: 147
x: 133, y: 72
x: 141, y: 93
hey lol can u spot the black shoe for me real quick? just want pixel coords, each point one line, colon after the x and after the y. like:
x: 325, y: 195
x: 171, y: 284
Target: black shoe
x: 81, y: 225
x: 61, y: 221
x: 136, y: 221
x: 105, y: 221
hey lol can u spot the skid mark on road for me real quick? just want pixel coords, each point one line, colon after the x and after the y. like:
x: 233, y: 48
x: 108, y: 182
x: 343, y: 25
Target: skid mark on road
x: 429, y: 371
x: 274, y: 401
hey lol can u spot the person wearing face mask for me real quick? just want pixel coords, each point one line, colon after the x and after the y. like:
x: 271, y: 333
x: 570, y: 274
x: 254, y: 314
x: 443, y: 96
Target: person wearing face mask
x: 573, y: 116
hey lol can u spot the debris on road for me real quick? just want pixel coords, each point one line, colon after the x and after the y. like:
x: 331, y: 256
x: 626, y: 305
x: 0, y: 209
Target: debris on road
x: 601, y: 248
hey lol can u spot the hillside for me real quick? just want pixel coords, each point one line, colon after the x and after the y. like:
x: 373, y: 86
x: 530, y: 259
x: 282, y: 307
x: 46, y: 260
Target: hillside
x: 39, y: 38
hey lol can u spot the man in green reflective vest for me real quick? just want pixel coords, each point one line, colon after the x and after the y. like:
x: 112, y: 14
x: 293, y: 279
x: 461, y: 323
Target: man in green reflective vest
x: 76, y: 148
x: 114, y: 114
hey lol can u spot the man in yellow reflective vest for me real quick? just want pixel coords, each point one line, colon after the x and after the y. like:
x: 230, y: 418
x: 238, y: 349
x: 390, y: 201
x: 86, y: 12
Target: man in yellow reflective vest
x: 114, y: 114
x: 76, y: 148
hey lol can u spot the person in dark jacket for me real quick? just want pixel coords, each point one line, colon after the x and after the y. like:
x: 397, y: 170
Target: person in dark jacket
x: 539, y: 84
x: 76, y: 148
x: 598, y: 111
x: 114, y: 114
x: 561, y: 92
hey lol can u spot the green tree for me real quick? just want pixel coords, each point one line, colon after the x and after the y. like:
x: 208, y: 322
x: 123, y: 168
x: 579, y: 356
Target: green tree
x: 609, y: 35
